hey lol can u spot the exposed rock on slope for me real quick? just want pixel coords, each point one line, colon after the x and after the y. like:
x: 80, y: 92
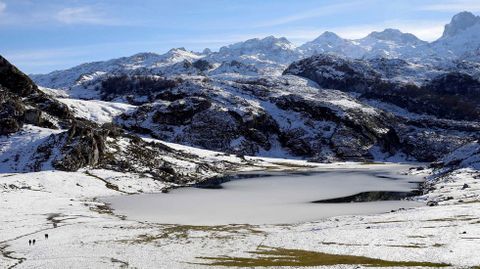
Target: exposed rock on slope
x: 22, y: 102
x: 12, y: 111
x: 81, y: 146
x: 449, y: 95
x: 264, y: 116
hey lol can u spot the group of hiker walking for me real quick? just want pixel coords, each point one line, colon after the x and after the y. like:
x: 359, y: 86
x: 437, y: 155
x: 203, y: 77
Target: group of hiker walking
x: 31, y: 242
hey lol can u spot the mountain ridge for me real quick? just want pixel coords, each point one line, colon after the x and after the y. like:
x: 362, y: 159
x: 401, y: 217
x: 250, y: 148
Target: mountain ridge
x: 271, y: 55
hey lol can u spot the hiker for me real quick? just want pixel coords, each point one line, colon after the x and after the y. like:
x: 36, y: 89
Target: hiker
x: 33, y: 242
x: 46, y: 236
x: 29, y: 242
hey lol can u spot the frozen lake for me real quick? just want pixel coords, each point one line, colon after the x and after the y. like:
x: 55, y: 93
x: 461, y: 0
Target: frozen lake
x: 272, y: 198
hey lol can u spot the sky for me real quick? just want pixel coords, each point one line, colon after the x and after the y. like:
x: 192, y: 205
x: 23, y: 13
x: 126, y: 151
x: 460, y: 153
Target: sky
x: 40, y: 36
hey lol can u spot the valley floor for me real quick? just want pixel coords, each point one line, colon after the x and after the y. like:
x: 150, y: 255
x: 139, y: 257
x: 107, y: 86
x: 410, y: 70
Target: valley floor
x: 85, y: 233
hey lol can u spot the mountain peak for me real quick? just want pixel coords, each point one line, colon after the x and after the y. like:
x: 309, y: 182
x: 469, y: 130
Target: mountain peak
x: 176, y: 50
x: 266, y: 43
x: 459, y: 23
x: 390, y: 34
x: 274, y: 41
x: 327, y: 35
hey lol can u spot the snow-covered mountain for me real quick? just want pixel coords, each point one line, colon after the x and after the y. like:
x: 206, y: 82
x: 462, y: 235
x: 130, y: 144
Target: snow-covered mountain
x: 267, y: 52
x: 392, y: 43
x: 270, y: 56
x: 461, y: 36
x: 329, y: 42
x: 141, y: 62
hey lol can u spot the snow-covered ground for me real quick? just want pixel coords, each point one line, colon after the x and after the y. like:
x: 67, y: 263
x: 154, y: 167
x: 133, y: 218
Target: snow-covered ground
x: 96, y: 110
x: 89, y: 235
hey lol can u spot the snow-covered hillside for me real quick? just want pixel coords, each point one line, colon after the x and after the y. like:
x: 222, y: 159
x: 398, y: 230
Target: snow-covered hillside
x: 150, y: 62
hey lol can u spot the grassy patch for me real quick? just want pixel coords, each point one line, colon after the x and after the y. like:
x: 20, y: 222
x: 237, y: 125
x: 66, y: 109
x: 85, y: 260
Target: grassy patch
x: 266, y: 256
x: 102, y: 209
x: 371, y: 163
x: 179, y: 232
x: 183, y: 231
x: 419, y: 236
x: 344, y: 244
x: 293, y: 165
x: 107, y: 184
x: 471, y: 202
x: 453, y: 219
x: 403, y: 246
x: 121, y: 263
x: 386, y: 221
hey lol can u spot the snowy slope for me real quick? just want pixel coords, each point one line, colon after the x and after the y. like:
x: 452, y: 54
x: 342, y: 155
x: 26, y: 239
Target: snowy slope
x: 389, y: 43
x: 269, y: 54
x: 329, y: 42
x: 126, y: 65
x: 95, y: 110
x: 392, y: 43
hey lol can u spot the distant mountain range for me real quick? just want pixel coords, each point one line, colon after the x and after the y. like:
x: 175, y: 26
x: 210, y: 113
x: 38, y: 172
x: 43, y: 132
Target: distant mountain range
x: 459, y: 42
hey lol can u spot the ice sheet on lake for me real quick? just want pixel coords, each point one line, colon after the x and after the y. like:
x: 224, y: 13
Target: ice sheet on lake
x: 268, y: 200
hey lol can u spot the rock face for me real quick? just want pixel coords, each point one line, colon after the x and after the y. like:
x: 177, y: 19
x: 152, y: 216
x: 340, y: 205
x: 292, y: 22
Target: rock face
x: 460, y: 22
x: 14, y: 80
x: 12, y: 110
x: 131, y: 87
x: 449, y: 95
x: 441, y: 97
x: 282, y: 116
x: 22, y: 102
x: 82, y: 145
x: 335, y: 72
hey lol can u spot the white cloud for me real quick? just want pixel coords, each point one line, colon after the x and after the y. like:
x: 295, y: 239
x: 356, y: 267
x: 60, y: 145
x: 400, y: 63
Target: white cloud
x: 3, y: 6
x: 453, y: 6
x: 312, y: 13
x: 83, y: 15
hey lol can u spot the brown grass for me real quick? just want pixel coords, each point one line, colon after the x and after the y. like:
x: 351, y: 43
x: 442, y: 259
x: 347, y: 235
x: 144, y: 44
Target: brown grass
x: 266, y: 256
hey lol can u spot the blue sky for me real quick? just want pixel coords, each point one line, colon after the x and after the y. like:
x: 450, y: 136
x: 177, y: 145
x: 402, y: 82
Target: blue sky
x: 44, y: 35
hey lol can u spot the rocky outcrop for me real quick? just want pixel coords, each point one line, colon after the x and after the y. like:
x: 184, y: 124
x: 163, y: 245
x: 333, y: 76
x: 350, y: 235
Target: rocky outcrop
x: 333, y: 72
x: 181, y: 111
x: 130, y: 87
x: 82, y: 145
x: 202, y: 65
x: 445, y: 98
x: 12, y: 110
x: 23, y: 103
x: 261, y: 115
x: 449, y: 95
x: 15, y: 80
